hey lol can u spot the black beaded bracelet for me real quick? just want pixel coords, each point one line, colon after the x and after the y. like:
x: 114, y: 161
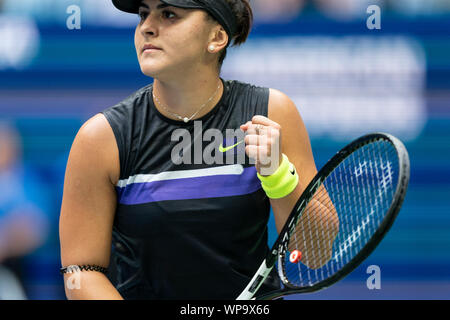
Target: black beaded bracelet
x: 72, y: 268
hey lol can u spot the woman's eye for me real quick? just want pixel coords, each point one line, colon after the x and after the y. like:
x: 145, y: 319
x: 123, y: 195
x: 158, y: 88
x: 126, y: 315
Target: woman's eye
x: 168, y: 14
x: 143, y: 15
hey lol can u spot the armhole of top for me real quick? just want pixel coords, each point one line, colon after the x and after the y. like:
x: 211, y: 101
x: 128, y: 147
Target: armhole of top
x: 119, y: 141
x: 263, y: 101
x: 266, y: 101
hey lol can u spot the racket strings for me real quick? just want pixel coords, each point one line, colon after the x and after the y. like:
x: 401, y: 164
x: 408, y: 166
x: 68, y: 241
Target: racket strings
x: 315, y: 238
x: 343, y: 214
x: 348, y: 190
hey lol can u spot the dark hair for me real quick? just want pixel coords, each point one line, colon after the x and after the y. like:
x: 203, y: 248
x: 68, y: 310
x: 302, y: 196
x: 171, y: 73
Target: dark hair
x: 244, y: 17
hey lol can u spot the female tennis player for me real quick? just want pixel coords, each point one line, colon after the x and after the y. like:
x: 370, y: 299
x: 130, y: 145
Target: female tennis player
x: 138, y: 224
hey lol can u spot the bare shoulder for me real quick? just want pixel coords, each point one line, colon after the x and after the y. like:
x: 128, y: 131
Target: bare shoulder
x: 96, y: 129
x: 283, y: 110
x: 95, y: 143
x: 276, y: 97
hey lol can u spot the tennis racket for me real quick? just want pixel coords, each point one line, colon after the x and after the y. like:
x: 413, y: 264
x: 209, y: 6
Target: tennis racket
x: 339, y: 219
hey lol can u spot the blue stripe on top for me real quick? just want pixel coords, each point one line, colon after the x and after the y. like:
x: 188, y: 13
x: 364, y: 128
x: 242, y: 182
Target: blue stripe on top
x: 204, y: 184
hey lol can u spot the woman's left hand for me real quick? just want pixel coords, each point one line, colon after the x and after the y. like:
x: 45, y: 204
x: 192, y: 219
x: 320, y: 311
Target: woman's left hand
x: 263, y: 143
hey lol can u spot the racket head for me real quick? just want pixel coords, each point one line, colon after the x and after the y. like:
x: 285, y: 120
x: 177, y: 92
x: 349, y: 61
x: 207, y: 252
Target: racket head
x: 344, y: 255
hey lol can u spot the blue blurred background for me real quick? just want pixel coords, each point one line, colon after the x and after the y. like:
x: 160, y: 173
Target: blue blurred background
x: 346, y: 80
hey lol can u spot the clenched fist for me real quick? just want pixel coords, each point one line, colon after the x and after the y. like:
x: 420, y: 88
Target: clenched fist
x: 263, y: 144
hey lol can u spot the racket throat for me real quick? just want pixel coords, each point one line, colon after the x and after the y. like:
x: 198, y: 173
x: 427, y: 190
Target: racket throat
x: 256, y: 282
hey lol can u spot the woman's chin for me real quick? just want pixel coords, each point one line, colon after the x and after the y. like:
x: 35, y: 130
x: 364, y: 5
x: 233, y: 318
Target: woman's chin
x: 150, y: 69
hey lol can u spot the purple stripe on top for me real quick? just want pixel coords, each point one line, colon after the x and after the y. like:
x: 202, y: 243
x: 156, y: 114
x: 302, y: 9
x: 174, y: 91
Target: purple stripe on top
x: 190, y: 188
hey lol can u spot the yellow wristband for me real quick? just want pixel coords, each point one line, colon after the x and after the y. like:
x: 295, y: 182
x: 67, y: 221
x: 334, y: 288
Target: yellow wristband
x: 282, y: 182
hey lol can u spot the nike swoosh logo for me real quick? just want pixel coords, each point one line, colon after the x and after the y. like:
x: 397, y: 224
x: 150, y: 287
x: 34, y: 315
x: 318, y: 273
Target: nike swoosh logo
x: 292, y: 170
x: 222, y: 149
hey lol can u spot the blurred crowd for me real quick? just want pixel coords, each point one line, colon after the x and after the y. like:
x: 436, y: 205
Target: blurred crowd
x: 102, y: 12
x: 23, y: 217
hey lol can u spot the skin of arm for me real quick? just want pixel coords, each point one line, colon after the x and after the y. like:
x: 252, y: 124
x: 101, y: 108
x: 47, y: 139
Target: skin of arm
x: 88, y: 207
x: 320, y: 217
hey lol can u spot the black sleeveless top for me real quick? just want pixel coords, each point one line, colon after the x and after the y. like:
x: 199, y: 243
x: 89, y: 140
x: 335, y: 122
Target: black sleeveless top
x: 186, y: 228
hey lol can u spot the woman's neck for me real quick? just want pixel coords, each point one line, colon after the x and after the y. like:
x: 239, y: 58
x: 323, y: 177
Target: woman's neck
x: 185, y: 96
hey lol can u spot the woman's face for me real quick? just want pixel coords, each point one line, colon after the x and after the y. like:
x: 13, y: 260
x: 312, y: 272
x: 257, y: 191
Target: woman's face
x: 181, y: 38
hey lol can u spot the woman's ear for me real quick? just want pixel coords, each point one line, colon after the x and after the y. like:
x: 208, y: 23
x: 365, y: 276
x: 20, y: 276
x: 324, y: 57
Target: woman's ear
x: 218, y: 40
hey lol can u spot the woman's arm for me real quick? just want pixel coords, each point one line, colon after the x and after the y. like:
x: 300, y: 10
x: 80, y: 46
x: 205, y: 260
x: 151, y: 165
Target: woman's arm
x: 286, y: 134
x: 296, y: 145
x: 320, y: 216
x: 88, y: 207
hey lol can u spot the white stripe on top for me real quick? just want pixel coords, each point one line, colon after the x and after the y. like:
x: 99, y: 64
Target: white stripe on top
x: 235, y: 169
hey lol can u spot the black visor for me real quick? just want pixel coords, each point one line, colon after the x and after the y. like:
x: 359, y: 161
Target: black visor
x: 219, y: 9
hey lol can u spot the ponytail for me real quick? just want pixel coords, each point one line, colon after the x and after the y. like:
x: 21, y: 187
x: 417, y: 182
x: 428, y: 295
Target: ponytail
x: 244, y: 17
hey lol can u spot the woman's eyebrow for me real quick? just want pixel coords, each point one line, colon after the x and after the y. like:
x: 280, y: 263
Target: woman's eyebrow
x: 162, y: 6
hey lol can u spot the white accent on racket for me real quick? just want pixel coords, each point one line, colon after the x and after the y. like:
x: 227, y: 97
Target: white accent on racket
x: 257, y: 281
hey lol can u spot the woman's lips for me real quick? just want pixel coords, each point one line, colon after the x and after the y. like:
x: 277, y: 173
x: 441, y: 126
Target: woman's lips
x: 150, y: 48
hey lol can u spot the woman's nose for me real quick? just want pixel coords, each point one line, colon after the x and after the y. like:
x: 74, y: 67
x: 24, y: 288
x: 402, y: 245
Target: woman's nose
x: 150, y: 25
